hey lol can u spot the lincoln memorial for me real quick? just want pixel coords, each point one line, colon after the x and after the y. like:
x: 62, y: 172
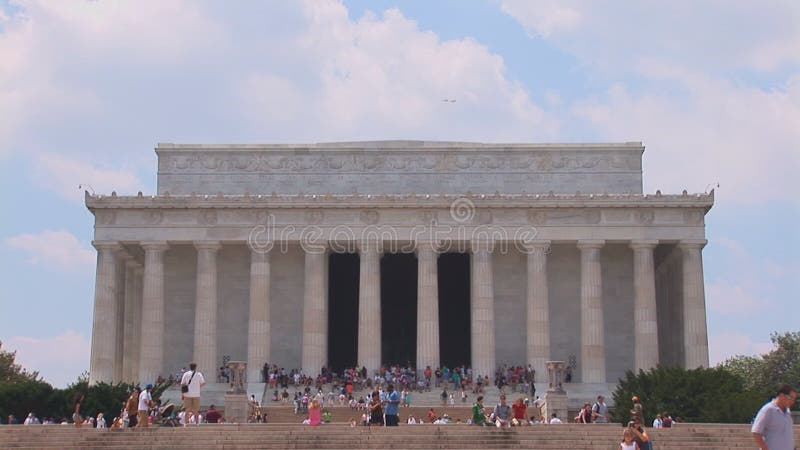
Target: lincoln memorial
x: 399, y: 252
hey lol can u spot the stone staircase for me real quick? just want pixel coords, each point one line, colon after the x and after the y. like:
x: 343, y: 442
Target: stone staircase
x: 214, y: 393
x: 340, y: 436
x: 342, y: 414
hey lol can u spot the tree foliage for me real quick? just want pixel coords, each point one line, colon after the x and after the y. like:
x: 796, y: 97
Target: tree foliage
x: 22, y: 392
x: 10, y: 371
x: 698, y: 395
x: 763, y: 373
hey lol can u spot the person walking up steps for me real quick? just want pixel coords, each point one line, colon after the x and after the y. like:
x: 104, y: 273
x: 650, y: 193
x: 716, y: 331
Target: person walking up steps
x: 191, y: 382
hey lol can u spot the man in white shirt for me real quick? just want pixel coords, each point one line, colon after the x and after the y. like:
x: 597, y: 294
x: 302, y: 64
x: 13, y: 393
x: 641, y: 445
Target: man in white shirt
x: 555, y: 419
x: 773, y: 427
x: 145, y: 402
x: 191, y: 382
x: 600, y: 410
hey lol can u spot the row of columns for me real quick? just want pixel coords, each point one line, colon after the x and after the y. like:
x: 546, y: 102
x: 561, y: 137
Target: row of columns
x: 128, y: 327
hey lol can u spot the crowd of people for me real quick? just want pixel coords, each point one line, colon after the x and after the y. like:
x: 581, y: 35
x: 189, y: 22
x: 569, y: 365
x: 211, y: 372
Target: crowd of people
x: 381, y: 406
x: 405, y: 377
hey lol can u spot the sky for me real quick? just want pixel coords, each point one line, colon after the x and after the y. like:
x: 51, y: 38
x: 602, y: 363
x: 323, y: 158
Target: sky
x: 88, y: 88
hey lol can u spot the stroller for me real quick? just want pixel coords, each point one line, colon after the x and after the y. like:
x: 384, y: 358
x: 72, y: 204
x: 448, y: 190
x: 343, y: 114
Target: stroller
x: 167, y: 415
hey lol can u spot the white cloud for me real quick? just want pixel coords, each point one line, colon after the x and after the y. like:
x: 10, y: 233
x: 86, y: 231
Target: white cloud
x: 712, y: 35
x: 58, y: 249
x: 722, y: 346
x: 55, y: 56
x: 64, y: 175
x: 745, y: 138
x: 728, y: 299
x: 381, y: 76
x: 682, y: 92
x: 186, y: 71
x: 545, y: 17
x: 59, y: 359
x: 746, y: 284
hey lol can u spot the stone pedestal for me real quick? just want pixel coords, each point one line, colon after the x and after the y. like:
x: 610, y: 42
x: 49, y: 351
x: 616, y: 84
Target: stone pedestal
x: 235, y: 408
x: 238, y: 377
x: 236, y: 402
x: 555, y: 400
x: 555, y: 376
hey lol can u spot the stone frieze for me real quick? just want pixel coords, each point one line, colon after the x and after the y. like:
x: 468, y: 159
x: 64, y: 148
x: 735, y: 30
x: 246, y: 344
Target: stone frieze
x: 428, y: 161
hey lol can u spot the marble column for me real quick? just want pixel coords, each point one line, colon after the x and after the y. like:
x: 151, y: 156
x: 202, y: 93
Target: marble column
x: 119, y: 328
x: 136, y: 319
x: 644, y: 310
x: 258, y: 330
x: 315, y: 312
x: 427, y: 306
x: 101, y: 363
x: 538, y: 307
x: 482, y: 314
x: 369, y: 306
x: 205, y: 315
x: 695, y: 333
x: 129, y: 338
x: 593, y: 348
x: 151, y: 357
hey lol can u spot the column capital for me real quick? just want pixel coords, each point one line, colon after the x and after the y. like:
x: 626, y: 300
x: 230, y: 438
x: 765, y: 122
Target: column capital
x: 207, y: 245
x: 315, y: 248
x: 107, y: 245
x: 154, y: 246
x: 426, y: 247
x: 369, y: 245
x: 636, y: 244
x: 482, y: 246
x: 591, y: 244
x: 533, y: 246
x: 260, y: 249
x: 688, y: 244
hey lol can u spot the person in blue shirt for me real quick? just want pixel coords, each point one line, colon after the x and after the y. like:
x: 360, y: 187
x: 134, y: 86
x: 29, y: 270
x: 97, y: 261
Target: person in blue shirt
x: 392, y: 405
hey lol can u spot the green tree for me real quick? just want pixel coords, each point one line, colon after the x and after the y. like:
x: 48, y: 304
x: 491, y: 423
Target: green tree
x: 24, y: 396
x: 106, y: 398
x: 763, y: 373
x: 10, y: 371
x: 698, y: 395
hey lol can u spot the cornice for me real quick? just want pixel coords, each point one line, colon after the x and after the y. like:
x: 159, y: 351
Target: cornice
x: 398, y: 145
x: 316, y: 201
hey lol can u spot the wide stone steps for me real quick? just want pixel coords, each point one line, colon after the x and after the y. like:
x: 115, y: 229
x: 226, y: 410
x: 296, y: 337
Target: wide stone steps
x: 342, y: 414
x: 340, y: 436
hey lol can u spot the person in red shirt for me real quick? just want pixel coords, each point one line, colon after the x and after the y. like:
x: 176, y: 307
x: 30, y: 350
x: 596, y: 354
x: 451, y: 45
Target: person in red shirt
x: 431, y: 416
x: 212, y: 415
x: 520, y: 409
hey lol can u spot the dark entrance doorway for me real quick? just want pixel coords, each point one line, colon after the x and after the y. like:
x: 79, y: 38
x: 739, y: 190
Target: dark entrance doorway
x: 343, y: 272
x: 399, y: 308
x: 454, y: 309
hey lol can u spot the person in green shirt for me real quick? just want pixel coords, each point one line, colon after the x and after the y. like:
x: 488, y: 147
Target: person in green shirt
x: 478, y: 413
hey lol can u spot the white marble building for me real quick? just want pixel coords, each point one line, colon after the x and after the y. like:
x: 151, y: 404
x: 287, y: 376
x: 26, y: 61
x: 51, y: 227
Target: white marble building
x: 566, y: 258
